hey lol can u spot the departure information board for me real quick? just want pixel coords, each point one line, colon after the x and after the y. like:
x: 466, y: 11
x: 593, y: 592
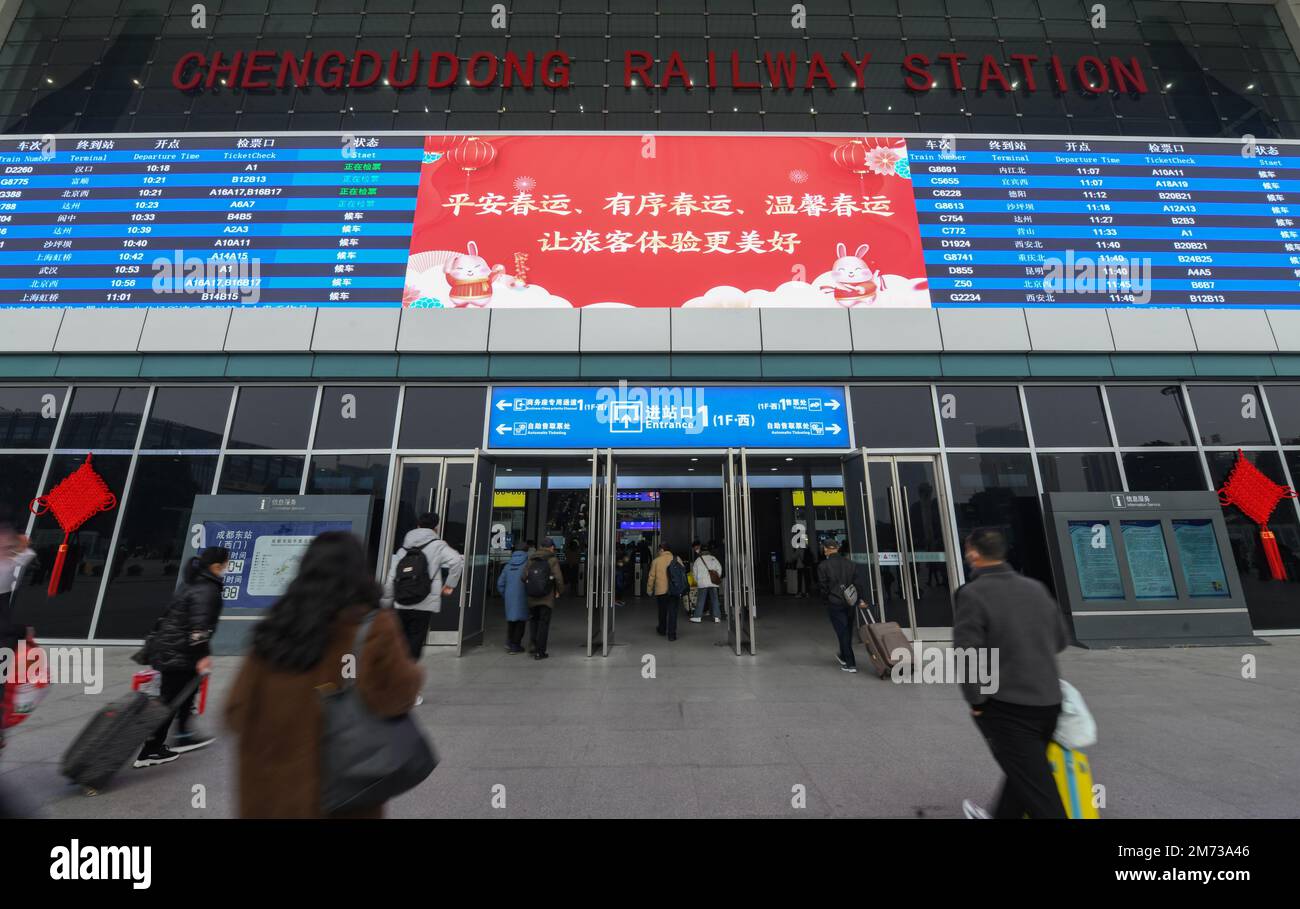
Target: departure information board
x: 331, y: 220
x: 1099, y: 222
x: 306, y: 220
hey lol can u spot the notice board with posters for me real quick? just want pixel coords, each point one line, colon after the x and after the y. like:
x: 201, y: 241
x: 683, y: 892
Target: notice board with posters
x: 266, y: 536
x: 1146, y: 569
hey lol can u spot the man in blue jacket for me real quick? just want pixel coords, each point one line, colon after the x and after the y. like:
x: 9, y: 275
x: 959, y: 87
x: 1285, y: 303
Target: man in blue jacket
x: 510, y: 584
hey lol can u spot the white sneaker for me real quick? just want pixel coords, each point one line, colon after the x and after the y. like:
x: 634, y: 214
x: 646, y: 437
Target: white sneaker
x: 974, y: 812
x: 419, y: 699
x: 696, y: 619
x: 716, y: 620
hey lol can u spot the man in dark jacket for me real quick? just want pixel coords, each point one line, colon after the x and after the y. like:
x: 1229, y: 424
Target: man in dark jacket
x: 541, y: 561
x: 1015, y: 618
x: 834, y: 574
x: 179, y: 648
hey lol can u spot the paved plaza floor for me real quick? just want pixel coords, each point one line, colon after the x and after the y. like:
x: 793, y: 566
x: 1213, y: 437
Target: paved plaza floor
x: 1182, y: 733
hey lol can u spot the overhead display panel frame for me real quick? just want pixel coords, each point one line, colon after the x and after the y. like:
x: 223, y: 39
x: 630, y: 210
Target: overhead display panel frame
x: 613, y: 219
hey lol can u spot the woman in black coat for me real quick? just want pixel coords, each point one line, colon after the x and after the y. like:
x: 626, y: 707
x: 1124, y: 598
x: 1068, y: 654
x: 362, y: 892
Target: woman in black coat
x: 179, y: 648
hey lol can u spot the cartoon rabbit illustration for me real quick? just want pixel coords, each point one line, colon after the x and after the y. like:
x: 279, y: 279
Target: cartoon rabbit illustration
x: 853, y: 281
x: 470, y: 277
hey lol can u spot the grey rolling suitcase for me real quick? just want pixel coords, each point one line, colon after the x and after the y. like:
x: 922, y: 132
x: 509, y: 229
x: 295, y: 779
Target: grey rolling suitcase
x: 114, y: 734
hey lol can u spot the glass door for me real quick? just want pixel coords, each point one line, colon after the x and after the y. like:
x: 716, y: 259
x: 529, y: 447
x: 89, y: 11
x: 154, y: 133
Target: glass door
x: 442, y: 486
x: 739, y: 579
x: 601, y: 553
x: 476, y: 543
x: 912, y: 555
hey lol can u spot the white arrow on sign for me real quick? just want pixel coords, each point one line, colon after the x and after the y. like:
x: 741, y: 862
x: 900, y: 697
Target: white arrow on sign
x: 501, y: 427
x: 503, y: 404
x: 835, y: 429
x: 833, y: 404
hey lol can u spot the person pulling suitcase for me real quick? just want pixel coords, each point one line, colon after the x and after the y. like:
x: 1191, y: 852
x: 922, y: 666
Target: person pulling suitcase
x: 179, y: 648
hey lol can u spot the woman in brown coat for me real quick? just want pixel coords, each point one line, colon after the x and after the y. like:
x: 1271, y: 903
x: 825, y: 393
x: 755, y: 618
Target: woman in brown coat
x: 307, y: 640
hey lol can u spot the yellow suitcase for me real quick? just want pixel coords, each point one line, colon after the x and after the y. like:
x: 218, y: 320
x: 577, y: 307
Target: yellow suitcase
x: 1073, y: 775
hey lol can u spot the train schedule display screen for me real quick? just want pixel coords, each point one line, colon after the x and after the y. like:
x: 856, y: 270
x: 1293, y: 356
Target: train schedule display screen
x: 495, y: 220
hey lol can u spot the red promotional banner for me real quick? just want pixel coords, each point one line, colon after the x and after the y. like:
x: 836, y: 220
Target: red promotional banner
x: 722, y: 221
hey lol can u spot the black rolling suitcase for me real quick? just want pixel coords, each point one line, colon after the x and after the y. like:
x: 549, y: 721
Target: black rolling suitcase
x: 116, y: 733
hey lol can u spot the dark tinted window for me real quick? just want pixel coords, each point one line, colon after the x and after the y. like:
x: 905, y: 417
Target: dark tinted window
x: 1165, y: 471
x: 28, y: 416
x: 258, y: 474
x: 1067, y: 416
x: 68, y: 614
x: 443, y: 418
x: 20, y: 475
x: 1229, y: 415
x: 1149, y: 415
x: 102, y: 416
x: 271, y: 417
x: 353, y: 475
x: 187, y: 417
x: 998, y: 490
x: 1284, y: 404
x: 893, y: 417
x: 151, y: 540
x: 356, y: 417
x: 1082, y: 472
x: 1271, y: 601
x: 981, y: 417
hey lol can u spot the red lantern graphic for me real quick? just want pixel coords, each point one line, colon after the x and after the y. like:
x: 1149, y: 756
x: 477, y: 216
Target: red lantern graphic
x: 74, y: 501
x: 473, y: 154
x: 851, y: 156
x: 1257, y: 496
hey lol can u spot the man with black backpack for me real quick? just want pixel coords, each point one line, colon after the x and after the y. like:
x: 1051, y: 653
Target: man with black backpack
x: 668, y: 584
x: 416, y: 584
x: 543, y: 582
x: 840, y: 581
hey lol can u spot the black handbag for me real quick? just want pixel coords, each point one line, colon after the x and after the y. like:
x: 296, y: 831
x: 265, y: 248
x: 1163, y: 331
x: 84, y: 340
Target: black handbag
x: 367, y: 759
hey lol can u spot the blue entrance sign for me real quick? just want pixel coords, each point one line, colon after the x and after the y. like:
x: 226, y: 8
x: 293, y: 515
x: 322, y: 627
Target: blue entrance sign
x: 677, y: 416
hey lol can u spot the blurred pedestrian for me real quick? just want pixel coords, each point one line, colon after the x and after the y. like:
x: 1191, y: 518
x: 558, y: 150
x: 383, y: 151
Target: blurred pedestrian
x: 305, y: 643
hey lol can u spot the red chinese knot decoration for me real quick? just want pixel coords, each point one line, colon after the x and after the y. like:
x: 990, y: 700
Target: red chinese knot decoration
x: 75, y: 500
x: 1257, y: 496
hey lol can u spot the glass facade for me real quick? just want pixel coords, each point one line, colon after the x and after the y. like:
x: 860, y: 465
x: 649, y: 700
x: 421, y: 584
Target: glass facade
x: 1212, y: 69
x: 159, y: 446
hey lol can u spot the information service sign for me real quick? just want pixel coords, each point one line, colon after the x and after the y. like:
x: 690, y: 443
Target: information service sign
x: 657, y: 416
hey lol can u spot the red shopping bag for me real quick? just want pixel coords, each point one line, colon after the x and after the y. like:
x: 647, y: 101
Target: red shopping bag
x: 27, y: 685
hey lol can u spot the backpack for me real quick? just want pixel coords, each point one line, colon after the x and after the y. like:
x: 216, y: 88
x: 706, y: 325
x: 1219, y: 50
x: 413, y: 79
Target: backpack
x: 537, y: 578
x: 677, y: 581
x: 412, y: 583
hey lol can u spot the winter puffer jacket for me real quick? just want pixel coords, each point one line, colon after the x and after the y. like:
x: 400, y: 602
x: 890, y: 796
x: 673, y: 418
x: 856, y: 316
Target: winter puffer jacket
x: 184, y: 631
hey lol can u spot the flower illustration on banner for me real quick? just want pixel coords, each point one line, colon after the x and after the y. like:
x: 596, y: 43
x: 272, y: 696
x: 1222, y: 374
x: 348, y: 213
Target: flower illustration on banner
x: 881, y: 159
x: 525, y: 184
x: 798, y: 176
x: 431, y: 157
x: 903, y: 168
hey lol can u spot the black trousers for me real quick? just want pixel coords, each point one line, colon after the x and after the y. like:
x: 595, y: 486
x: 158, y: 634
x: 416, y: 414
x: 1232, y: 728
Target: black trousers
x: 415, y: 622
x: 669, y: 605
x: 515, y: 632
x: 1018, y: 735
x: 172, y: 684
x: 842, y: 621
x: 539, y: 627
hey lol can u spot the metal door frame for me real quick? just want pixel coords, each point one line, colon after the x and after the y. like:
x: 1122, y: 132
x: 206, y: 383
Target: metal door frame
x: 738, y: 527
x: 903, y: 531
x: 439, y: 507
x: 471, y: 553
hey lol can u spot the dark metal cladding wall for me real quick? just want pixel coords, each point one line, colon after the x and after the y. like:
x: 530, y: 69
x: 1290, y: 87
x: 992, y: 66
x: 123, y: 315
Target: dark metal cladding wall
x: 1213, y: 69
